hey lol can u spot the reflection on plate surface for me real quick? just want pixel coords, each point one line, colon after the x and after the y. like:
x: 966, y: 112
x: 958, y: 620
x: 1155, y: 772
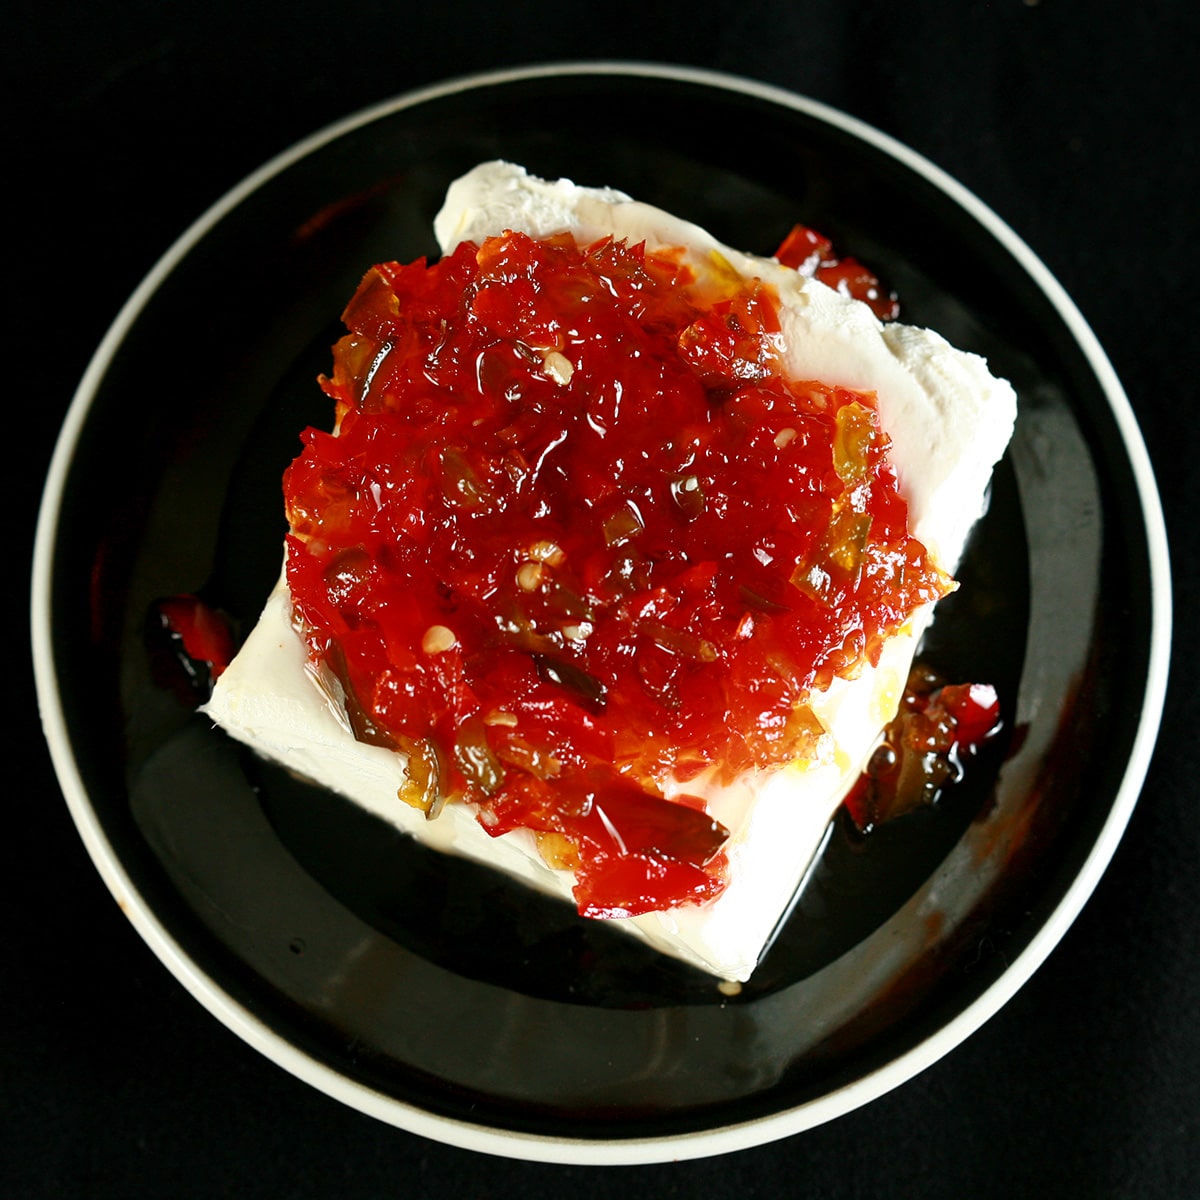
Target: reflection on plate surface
x: 431, y: 992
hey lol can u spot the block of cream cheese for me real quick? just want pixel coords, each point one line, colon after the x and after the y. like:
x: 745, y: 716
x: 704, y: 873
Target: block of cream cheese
x: 949, y: 421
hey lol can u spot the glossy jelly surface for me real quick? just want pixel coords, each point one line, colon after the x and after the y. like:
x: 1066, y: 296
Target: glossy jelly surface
x: 577, y: 543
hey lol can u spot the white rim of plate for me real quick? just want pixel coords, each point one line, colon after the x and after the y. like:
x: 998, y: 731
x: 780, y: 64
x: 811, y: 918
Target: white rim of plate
x: 618, y: 1151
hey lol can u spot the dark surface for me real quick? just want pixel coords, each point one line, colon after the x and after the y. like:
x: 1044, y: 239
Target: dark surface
x: 1072, y: 120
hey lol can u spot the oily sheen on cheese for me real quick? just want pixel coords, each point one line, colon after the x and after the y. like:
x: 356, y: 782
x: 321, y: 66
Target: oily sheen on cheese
x: 948, y: 420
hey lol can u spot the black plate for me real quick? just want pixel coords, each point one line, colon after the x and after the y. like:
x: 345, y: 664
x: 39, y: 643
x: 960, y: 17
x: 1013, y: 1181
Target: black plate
x: 433, y: 993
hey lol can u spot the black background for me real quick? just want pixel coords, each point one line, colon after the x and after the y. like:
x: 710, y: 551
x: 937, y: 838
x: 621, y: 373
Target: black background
x: 1074, y: 120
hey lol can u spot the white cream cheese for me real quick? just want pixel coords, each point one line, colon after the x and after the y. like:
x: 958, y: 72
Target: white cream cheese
x: 949, y: 421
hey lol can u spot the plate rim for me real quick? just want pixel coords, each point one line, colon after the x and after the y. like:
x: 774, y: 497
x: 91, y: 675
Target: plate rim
x: 603, y: 1150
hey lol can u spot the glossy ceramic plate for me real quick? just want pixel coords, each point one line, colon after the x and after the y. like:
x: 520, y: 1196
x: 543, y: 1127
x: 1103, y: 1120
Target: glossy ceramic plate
x: 430, y: 992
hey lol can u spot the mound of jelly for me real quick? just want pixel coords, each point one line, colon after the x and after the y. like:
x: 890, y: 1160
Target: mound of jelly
x: 577, y: 543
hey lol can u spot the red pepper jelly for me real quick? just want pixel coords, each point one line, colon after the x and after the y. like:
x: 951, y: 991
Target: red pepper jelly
x: 579, y: 547
x: 811, y: 253
x: 938, y: 727
x: 200, y: 643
